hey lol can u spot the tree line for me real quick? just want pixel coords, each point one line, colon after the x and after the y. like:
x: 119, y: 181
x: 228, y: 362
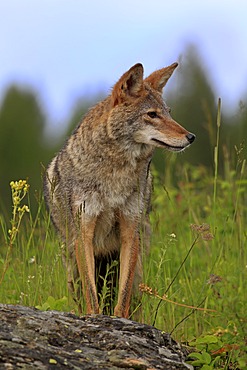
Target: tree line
x: 25, y: 148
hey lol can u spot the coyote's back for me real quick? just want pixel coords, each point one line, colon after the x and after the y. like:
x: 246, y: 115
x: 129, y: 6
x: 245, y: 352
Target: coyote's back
x: 98, y: 186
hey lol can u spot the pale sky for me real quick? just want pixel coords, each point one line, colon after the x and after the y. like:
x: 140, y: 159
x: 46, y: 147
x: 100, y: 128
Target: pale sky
x: 64, y: 48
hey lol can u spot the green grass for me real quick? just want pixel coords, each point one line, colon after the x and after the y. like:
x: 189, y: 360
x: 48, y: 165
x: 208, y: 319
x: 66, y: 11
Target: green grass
x: 201, y: 280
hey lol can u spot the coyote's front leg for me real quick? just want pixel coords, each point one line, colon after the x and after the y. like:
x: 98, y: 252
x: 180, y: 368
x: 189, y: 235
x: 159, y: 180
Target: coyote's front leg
x: 85, y: 261
x: 128, y: 260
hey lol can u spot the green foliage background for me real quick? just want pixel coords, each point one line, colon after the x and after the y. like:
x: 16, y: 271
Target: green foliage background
x: 197, y: 187
x: 25, y: 145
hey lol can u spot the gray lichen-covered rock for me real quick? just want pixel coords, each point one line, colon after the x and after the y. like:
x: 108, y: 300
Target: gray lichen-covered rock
x: 32, y: 339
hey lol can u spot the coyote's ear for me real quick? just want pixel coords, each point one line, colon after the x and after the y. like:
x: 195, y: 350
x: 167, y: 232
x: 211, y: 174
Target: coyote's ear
x: 158, y: 79
x: 129, y: 85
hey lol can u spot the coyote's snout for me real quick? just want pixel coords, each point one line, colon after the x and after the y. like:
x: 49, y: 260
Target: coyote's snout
x: 98, y: 187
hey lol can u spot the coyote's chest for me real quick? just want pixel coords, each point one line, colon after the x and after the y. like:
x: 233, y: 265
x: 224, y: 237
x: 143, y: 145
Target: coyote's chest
x: 117, y: 188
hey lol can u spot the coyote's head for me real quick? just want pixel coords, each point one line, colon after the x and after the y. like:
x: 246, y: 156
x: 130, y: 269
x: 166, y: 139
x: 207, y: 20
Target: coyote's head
x: 139, y: 113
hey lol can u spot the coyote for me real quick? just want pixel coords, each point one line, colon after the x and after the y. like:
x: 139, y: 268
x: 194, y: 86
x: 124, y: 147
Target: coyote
x: 98, y: 186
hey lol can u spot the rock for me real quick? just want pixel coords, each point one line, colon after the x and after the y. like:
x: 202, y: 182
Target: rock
x: 33, y: 339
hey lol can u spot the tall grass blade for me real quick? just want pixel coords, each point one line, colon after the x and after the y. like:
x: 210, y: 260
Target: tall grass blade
x: 216, y: 152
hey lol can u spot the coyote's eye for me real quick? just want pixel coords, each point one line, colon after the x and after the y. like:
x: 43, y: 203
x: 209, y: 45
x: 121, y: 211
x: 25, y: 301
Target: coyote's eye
x: 152, y: 114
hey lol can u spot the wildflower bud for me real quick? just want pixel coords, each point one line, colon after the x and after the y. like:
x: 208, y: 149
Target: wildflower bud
x: 16, y: 200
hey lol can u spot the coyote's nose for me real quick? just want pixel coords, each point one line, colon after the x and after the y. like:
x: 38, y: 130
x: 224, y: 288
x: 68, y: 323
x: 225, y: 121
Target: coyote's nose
x: 191, y: 137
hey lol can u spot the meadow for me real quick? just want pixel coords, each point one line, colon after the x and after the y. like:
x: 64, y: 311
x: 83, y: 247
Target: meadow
x: 194, y: 283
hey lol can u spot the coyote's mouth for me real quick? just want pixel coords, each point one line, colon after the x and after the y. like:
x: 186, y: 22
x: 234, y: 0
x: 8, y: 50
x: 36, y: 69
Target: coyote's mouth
x: 170, y: 147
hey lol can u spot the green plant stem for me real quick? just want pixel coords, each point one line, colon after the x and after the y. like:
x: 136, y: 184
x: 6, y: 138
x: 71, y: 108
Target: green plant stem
x: 175, y: 276
x: 216, y: 153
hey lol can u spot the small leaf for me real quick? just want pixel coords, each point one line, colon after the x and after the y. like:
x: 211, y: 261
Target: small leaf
x: 208, y: 339
x: 196, y: 363
x: 207, y: 367
x: 206, y: 358
x: 196, y: 355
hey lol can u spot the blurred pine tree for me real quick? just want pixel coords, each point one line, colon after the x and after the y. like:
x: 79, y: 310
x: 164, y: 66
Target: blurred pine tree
x: 22, y: 146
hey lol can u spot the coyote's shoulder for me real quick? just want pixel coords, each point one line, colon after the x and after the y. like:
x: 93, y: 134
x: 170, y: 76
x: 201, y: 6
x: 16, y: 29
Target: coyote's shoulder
x: 98, y: 186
